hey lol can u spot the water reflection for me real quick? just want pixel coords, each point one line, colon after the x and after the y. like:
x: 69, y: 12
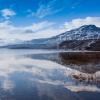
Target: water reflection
x: 87, y: 62
x: 29, y: 75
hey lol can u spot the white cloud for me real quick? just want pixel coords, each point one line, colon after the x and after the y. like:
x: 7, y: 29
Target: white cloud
x: 49, y: 32
x: 75, y: 23
x: 40, y: 26
x: 7, y: 13
x: 10, y: 33
x: 46, y: 9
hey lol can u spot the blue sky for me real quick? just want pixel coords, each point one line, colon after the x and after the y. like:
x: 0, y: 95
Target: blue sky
x: 46, y: 16
x: 28, y: 11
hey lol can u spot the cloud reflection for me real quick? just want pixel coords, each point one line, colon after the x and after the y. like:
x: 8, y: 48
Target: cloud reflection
x: 43, y: 71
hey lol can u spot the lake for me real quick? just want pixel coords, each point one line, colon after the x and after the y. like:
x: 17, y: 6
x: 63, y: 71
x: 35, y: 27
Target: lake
x: 48, y: 75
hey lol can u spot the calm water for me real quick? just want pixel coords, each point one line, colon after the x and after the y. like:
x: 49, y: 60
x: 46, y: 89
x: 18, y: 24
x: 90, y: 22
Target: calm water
x: 39, y: 75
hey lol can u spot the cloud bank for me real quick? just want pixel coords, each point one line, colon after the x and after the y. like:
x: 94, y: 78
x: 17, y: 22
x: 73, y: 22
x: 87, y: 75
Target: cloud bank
x: 45, y: 29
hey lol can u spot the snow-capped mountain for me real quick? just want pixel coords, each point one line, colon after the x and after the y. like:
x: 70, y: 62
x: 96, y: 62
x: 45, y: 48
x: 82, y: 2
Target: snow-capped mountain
x: 83, y: 33
x: 83, y: 36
